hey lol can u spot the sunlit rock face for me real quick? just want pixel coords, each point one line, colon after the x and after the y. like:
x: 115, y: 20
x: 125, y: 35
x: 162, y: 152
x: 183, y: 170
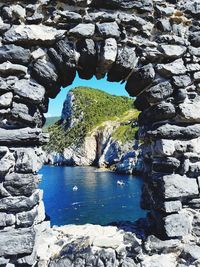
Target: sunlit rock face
x: 151, y: 45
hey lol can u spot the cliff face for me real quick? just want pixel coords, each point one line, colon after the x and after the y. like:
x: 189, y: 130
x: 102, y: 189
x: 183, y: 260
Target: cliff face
x: 105, y: 143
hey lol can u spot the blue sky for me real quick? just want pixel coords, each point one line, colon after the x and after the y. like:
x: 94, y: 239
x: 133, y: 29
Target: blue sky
x: 55, y: 105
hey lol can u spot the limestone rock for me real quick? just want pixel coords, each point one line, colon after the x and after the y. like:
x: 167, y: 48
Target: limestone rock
x: 28, y: 160
x: 20, y: 203
x: 168, y: 260
x: 17, y: 241
x: 189, y: 111
x: 32, y: 34
x: 108, y: 29
x: 6, y: 100
x: 107, y: 57
x: 177, y: 225
x: 177, y: 67
x: 140, y: 79
x: 181, y: 81
x: 8, y: 68
x: 21, y: 184
x: 158, y: 92
x: 83, y: 30
x: 14, y: 54
x: 155, y: 245
x: 172, y: 51
x: 30, y: 90
x: 7, y: 161
x: 19, y: 136
x: 143, y: 6
x: 26, y: 114
x: 191, y: 253
x: 88, y: 58
x: 126, y: 60
x: 6, y: 219
x: 175, y: 186
x: 44, y: 72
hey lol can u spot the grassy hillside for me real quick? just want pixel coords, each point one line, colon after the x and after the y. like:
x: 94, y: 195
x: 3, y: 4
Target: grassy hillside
x: 96, y: 106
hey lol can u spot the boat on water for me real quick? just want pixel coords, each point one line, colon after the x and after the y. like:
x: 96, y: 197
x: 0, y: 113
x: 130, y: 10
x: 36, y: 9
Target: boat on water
x: 75, y: 188
x: 120, y: 182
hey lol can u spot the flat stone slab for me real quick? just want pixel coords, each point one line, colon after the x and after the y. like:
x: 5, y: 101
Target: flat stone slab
x: 32, y: 34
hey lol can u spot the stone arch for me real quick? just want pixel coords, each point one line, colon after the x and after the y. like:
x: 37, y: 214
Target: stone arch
x: 153, y: 47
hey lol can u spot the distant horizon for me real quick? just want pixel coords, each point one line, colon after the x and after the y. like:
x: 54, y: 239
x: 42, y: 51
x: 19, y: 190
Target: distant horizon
x: 114, y: 88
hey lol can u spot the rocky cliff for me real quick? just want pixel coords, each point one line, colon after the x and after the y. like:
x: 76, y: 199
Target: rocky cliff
x: 93, y: 130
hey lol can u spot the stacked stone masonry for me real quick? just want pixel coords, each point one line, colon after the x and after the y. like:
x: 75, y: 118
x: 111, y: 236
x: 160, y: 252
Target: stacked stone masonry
x: 151, y: 45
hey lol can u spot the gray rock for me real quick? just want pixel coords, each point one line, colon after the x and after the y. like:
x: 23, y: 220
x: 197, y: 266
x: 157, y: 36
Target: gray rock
x: 181, y: 81
x: 21, y: 184
x: 28, y: 160
x: 8, y: 68
x: 63, y: 67
x: 126, y: 60
x: 6, y: 219
x: 191, y: 253
x: 16, y: 241
x: 4, y: 261
x: 172, y: 51
x: 177, y: 225
x: 6, y: 84
x: 30, y: 90
x: 107, y: 57
x: 197, y: 76
x: 175, y: 186
x: 108, y: 29
x: 189, y: 112
x: 88, y: 58
x: 20, y: 203
x: 3, y: 192
x: 154, y: 245
x: 44, y: 72
x: 128, y: 262
x: 165, y: 165
x: 6, y: 100
x: 83, y: 30
x: 192, y: 7
x: 26, y: 114
x: 176, y: 67
x: 158, y: 92
x: 14, y: 54
x: 172, y: 206
x: 69, y: 16
x: 32, y: 34
x: 169, y: 131
x: 21, y: 136
x: 195, y: 51
x: 163, y: 260
x: 7, y: 161
x: 140, y: 79
x: 158, y: 112
x: 143, y: 6
x: 195, y: 38
x: 27, y: 218
x: 193, y: 67
x: 164, y: 25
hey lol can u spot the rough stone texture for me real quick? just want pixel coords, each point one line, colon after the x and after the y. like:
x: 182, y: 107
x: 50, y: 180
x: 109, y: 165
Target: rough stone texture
x: 153, y: 46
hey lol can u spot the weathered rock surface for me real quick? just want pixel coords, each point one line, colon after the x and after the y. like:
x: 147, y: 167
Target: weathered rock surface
x: 32, y: 34
x: 154, y: 46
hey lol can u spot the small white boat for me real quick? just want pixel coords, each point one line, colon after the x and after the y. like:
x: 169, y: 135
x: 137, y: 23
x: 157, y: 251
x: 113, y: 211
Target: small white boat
x: 75, y: 188
x: 120, y: 182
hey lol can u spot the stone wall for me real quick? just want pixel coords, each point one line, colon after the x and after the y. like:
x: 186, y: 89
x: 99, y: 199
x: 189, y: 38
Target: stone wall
x: 154, y: 47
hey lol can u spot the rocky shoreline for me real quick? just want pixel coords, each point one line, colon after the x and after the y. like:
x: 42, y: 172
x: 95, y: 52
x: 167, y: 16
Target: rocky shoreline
x: 111, y: 246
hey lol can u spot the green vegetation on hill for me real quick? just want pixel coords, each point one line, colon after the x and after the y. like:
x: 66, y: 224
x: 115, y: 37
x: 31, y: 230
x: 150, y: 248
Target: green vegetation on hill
x: 92, y: 107
x: 50, y: 121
